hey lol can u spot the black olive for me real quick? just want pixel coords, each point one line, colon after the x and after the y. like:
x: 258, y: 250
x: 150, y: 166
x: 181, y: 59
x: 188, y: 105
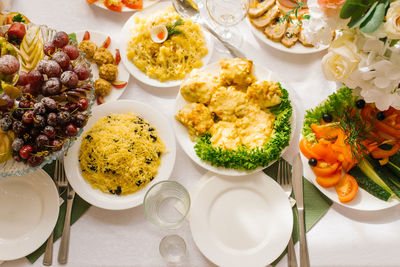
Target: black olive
x: 289, y: 35
x: 312, y: 162
x: 381, y: 116
x: 118, y: 191
x: 151, y: 129
x: 153, y: 137
x: 327, y: 117
x: 152, y: 178
x: 360, y: 103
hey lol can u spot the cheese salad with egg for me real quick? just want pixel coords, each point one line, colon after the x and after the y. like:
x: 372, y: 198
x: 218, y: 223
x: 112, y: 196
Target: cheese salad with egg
x: 175, y: 57
x: 233, y: 107
x: 120, y: 154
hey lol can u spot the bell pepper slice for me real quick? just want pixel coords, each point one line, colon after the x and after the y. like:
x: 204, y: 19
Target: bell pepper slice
x: 329, y: 181
x: 325, y: 169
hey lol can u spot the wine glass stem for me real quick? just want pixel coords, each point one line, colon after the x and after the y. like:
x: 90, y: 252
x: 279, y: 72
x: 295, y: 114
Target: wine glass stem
x: 226, y: 34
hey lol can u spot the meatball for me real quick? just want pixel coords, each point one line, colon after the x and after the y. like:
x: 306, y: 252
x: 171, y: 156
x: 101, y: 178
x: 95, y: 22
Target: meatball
x: 108, y: 72
x: 88, y: 47
x: 103, y: 56
x: 102, y: 87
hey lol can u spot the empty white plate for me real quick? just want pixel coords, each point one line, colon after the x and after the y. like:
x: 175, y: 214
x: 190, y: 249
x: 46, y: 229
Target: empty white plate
x: 246, y: 221
x: 29, y: 208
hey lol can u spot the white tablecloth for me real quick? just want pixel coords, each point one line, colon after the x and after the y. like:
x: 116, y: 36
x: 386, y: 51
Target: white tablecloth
x: 124, y: 238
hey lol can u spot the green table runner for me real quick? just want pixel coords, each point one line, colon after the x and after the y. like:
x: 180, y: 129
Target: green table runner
x: 315, y: 206
x: 78, y: 209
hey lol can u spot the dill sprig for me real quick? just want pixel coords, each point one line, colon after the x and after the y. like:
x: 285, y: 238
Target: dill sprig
x: 357, y: 130
x: 172, y: 28
x: 288, y: 15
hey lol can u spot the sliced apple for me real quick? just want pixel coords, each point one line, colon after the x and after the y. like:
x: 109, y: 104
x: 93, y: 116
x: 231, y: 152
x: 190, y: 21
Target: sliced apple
x: 119, y: 84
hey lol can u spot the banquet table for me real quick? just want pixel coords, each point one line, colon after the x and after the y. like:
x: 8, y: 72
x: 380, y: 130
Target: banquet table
x: 343, y: 237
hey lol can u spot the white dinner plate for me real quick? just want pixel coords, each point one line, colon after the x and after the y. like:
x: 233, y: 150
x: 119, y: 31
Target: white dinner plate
x: 241, y: 222
x: 298, y: 48
x: 29, y: 208
x: 123, y: 75
x: 146, y: 4
x: 188, y: 145
x: 110, y: 201
x: 363, y: 201
x: 137, y: 73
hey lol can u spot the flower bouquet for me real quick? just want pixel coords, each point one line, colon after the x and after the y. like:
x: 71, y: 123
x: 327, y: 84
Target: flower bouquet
x: 365, y: 51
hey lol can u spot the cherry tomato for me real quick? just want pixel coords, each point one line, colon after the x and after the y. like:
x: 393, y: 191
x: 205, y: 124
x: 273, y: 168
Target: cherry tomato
x: 133, y: 4
x: 347, y: 188
x: 117, y: 7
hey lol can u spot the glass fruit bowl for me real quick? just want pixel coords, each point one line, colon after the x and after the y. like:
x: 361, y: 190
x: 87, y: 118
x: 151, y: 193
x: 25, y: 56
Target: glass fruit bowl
x: 35, y: 39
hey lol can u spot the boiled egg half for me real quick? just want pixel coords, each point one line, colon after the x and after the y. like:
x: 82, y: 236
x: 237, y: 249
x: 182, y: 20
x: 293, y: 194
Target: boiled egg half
x: 159, y: 33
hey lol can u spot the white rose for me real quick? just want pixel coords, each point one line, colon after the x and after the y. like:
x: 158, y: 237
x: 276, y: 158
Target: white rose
x: 344, y: 37
x: 340, y: 62
x: 392, y: 24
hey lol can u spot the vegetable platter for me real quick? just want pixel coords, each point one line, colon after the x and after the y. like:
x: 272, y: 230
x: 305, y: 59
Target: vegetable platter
x: 352, y: 151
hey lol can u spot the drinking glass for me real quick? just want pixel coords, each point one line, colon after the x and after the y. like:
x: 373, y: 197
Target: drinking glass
x: 228, y: 13
x: 166, y: 205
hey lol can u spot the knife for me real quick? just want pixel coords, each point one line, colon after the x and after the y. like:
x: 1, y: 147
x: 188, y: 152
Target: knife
x: 297, y: 180
x: 64, y: 245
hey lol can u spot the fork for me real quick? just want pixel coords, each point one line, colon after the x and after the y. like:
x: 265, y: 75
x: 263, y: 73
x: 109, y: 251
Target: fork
x: 61, y: 185
x: 64, y: 245
x: 285, y: 180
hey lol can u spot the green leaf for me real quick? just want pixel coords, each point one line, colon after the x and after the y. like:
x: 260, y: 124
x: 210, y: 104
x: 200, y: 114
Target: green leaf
x: 355, y: 23
x: 306, y: 17
x: 72, y: 36
x: 18, y: 18
x: 393, y: 42
x: 374, y: 20
x: 352, y: 7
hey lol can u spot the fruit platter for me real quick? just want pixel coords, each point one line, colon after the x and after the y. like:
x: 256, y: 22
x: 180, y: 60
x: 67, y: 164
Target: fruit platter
x: 46, y: 95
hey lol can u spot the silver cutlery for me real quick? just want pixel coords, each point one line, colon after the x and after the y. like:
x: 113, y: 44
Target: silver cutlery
x: 297, y: 175
x: 64, y: 245
x: 285, y: 180
x: 187, y: 8
x: 61, y: 185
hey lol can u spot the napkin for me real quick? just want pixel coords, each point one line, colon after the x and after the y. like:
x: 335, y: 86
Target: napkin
x: 315, y: 206
x: 78, y: 209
